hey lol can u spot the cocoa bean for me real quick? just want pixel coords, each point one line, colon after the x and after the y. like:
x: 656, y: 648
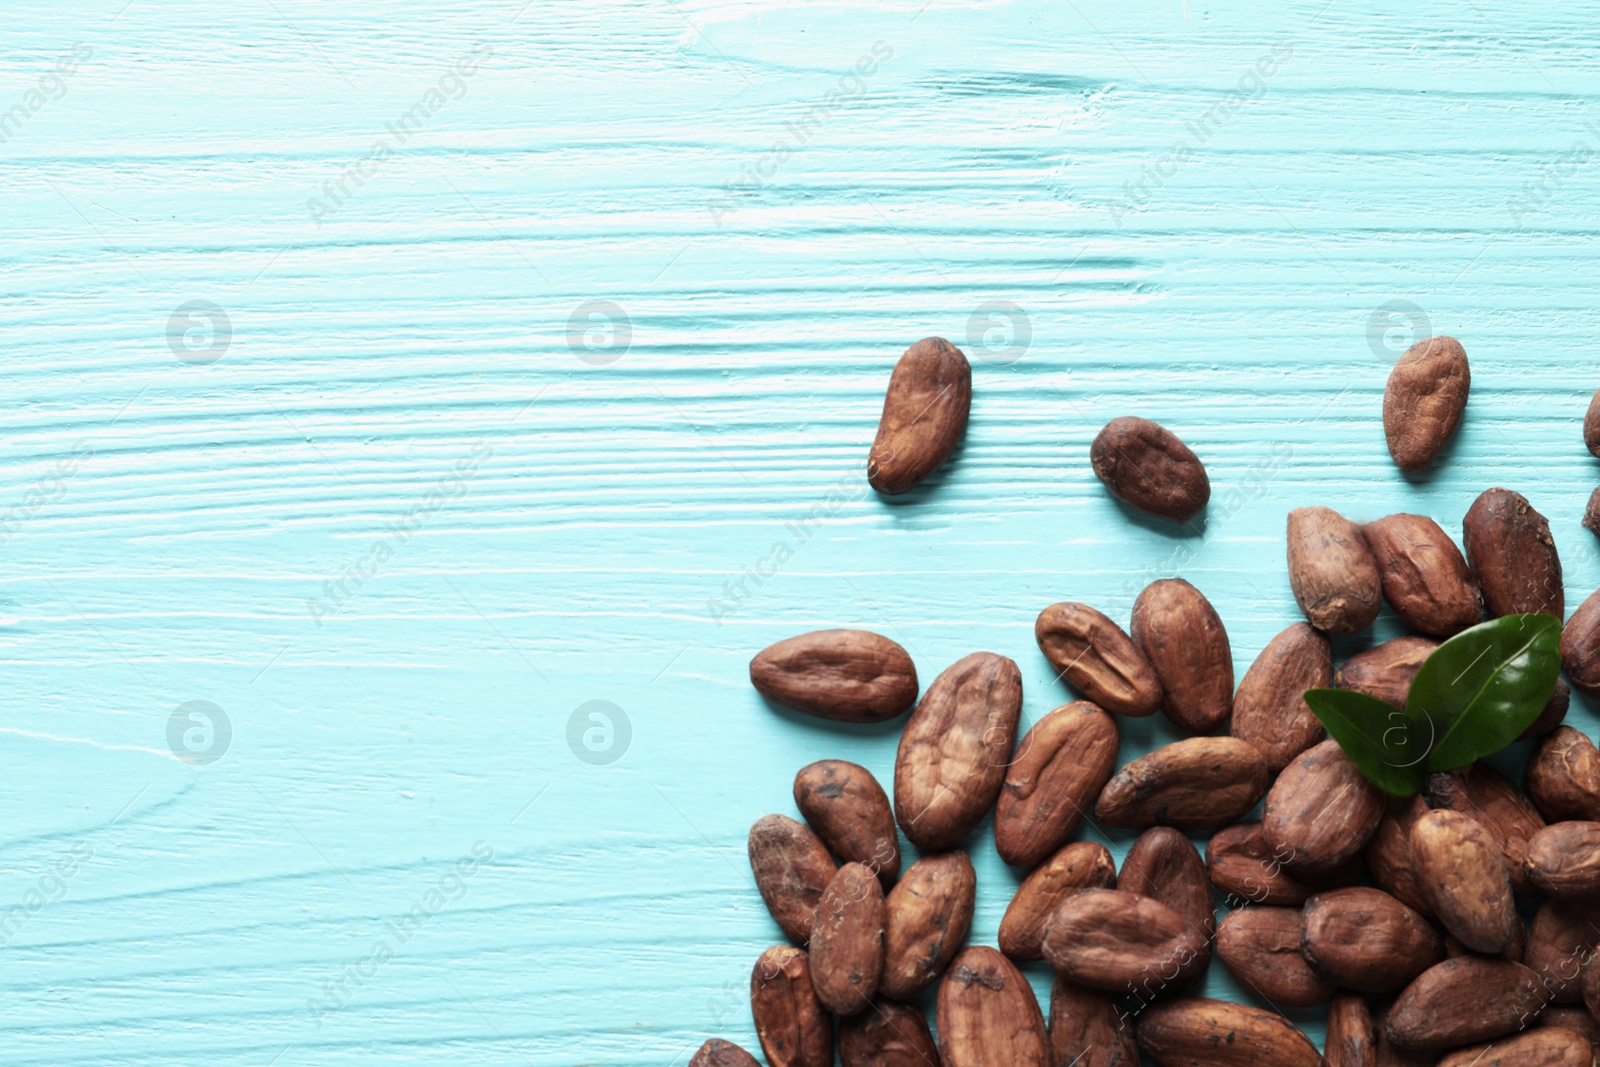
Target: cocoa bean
x: 928, y: 914
x: 1080, y: 865
x: 1186, y: 1033
x: 1098, y: 659
x: 1576, y: 1019
x: 1385, y: 671
x: 1563, y: 778
x: 1563, y: 937
x: 1195, y: 784
x: 1555, y: 711
x: 1332, y: 571
x: 1164, y: 865
x: 1591, y: 512
x: 1591, y: 425
x: 1087, y: 1029
x: 719, y: 1053
x: 924, y: 415
x: 1424, y: 400
x: 1242, y: 864
x: 792, y: 868
x: 1564, y: 860
x: 988, y: 1015
x: 1580, y: 646
x: 1059, y: 769
x: 793, y: 1027
x: 1148, y: 468
x: 1463, y: 875
x: 1261, y: 946
x: 843, y: 675
x: 847, y: 940
x: 954, y: 750
x: 1270, y: 710
x: 887, y: 1035
x: 1365, y: 940
x: 1546, y: 1046
x: 1321, y: 810
x: 1513, y: 556
x: 1425, y: 577
x: 1352, y: 1034
x: 1121, y: 942
x: 1464, y: 1000
x: 1388, y: 853
x: 850, y: 812
x: 1494, y: 800
x: 1182, y: 636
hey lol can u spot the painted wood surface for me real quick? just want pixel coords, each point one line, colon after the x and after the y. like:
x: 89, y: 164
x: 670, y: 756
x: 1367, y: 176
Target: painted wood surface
x: 398, y: 498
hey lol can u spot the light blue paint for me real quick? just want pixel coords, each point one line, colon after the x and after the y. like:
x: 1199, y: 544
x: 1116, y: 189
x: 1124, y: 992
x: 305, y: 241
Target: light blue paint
x: 1386, y: 159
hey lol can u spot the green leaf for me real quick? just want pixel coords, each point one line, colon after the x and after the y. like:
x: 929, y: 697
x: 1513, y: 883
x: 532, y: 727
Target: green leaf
x: 1484, y: 686
x: 1386, y: 743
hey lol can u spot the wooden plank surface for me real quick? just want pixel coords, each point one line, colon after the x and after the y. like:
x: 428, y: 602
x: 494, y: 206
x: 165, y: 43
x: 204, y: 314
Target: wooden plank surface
x: 422, y: 508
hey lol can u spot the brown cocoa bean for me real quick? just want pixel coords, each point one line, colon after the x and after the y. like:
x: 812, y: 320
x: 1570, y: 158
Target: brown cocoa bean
x: 1464, y: 1000
x: 1580, y: 646
x: 1425, y: 577
x: 1390, y: 1056
x: 1121, y: 942
x: 1321, y: 810
x: 1270, y: 710
x: 954, y: 750
x: 887, y: 1035
x: 1215, y: 1033
x: 843, y: 675
x: 1424, y: 400
x: 1494, y: 800
x: 1513, y: 556
x: 1555, y: 711
x: 1388, y: 853
x: 1080, y: 865
x: 1194, y: 784
x: 1591, y: 512
x: 1563, y: 779
x: 1242, y: 864
x: 1060, y: 766
x: 850, y: 812
x: 1563, y: 937
x: 1332, y: 571
x: 1182, y: 636
x: 1164, y: 865
x: 1589, y: 986
x: 988, y: 1015
x: 1385, y: 671
x: 1463, y: 874
x: 793, y: 1027
x: 1591, y: 424
x: 847, y: 940
x: 1514, y: 951
x: 1352, y: 1034
x: 1261, y: 946
x: 719, y: 1053
x: 1087, y: 1029
x: 1097, y: 659
x: 1576, y: 1019
x: 1564, y: 860
x: 928, y: 914
x: 924, y: 415
x: 1366, y: 940
x: 792, y: 868
x: 1148, y: 468
x: 1546, y: 1046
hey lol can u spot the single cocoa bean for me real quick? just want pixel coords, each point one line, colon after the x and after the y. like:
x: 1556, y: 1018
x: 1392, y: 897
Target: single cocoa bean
x: 1463, y: 874
x: 1580, y: 646
x: 1080, y: 865
x: 1332, y: 571
x: 793, y: 1027
x: 887, y: 1035
x: 1321, y: 810
x: 988, y: 1015
x: 1391, y: 1056
x: 1563, y: 778
x: 1591, y: 425
x: 928, y: 914
x: 1424, y: 575
x: 924, y: 415
x: 1514, y: 951
x: 1589, y: 986
x: 954, y: 750
x: 1424, y: 401
x: 1120, y: 942
x: 1576, y: 1019
x: 1148, y: 468
x: 792, y: 868
x: 1087, y: 1029
x: 1513, y: 556
x: 1194, y: 784
x: 1182, y: 636
x: 1464, y: 1000
x: 1270, y: 710
x: 1555, y: 710
x: 1164, y: 865
x: 1261, y: 946
x: 1388, y: 853
x: 1385, y: 671
x: 1215, y: 1033
x: 1591, y: 512
x: 1563, y: 936
x: 843, y: 675
x: 1366, y: 940
x: 1494, y: 800
x: 1098, y: 659
x: 847, y: 940
x: 1242, y: 865
x: 1352, y: 1034
x: 1060, y: 766
x: 719, y: 1053
x: 850, y: 812
x: 1546, y: 1046
x: 1564, y: 860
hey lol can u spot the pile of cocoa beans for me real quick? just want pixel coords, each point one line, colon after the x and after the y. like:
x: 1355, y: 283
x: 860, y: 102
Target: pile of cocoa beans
x: 1455, y: 928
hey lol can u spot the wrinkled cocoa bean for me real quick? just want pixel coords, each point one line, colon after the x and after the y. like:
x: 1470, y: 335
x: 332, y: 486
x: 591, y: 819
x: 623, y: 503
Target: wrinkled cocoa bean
x: 924, y: 415
x: 1098, y: 659
x: 1425, y: 577
x: 1182, y: 636
x: 844, y: 675
x: 1147, y: 467
x: 1270, y: 710
x: 1059, y: 769
x: 1513, y: 556
x: 1332, y: 571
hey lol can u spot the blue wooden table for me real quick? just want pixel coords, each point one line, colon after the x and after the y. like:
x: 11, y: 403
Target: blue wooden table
x: 419, y: 413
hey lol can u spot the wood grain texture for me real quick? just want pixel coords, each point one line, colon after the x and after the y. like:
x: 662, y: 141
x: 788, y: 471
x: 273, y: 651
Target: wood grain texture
x: 173, y: 524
